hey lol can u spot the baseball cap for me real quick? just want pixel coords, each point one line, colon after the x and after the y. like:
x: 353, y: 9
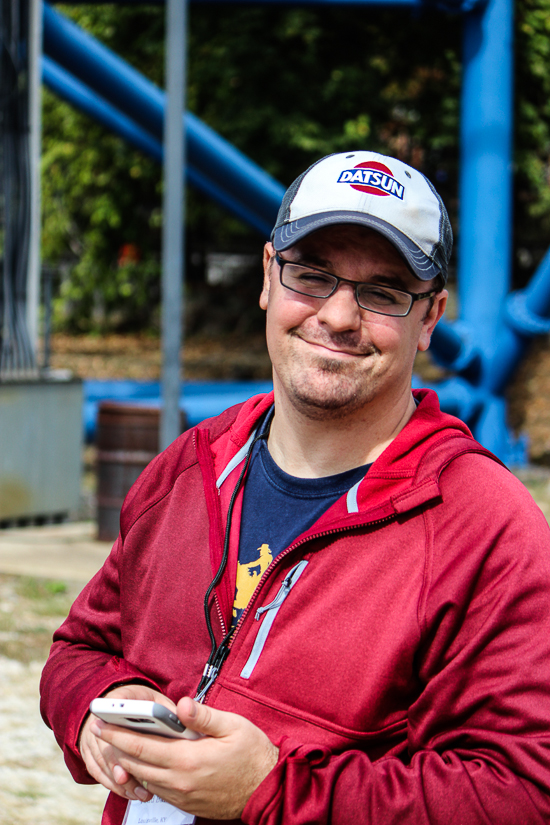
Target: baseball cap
x: 372, y: 190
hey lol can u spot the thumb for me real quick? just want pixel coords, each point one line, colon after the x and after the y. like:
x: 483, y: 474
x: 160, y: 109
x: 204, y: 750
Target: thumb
x: 204, y: 719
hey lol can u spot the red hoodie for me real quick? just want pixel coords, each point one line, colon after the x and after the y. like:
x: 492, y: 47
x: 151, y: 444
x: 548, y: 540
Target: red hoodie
x: 406, y: 675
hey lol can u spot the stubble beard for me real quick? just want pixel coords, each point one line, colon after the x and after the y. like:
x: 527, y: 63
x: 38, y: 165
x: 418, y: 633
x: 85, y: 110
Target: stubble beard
x: 328, y: 388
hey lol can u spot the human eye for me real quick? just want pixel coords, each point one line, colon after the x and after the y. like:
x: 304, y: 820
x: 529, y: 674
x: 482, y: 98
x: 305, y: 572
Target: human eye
x: 311, y: 280
x: 381, y: 296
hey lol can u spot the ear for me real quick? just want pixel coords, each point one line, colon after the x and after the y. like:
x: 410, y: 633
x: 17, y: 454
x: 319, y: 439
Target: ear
x: 431, y: 319
x: 269, y: 253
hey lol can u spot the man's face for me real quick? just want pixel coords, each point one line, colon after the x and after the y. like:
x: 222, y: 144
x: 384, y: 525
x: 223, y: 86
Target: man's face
x: 330, y: 357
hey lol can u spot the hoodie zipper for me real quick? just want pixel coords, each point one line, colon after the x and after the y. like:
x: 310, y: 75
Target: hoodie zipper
x: 272, y: 609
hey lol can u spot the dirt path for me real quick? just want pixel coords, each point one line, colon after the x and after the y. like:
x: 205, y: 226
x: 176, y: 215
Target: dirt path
x: 35, y: 785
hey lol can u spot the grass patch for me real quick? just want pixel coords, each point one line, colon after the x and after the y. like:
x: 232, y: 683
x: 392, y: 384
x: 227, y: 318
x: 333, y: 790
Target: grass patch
x: 44, y: 597
x: 31, y: 609
x: 31, y: 588
x: 6, y: 622
x: 27, y: 648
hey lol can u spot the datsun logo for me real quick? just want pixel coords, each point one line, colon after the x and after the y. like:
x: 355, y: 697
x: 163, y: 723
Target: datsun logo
x: 374, y: 178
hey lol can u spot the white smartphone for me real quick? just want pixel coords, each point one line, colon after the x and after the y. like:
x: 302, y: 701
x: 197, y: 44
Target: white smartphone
x: 142, y: 716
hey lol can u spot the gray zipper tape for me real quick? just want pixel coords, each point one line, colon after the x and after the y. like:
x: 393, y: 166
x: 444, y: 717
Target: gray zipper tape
x: 269, y: 618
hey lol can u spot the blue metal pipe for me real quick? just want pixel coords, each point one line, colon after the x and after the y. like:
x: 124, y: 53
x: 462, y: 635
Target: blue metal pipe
x: 79, y: 95
x: 446, y: 344
x: 537, y: 293
x: 491, y: 430
x: 120, y: 84
x: 452, y: 348
x: 456, y: 397
x: 486, y: 170
x: 527, y: 315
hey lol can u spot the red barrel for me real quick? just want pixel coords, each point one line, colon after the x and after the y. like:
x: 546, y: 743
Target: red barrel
x: 127, y: 440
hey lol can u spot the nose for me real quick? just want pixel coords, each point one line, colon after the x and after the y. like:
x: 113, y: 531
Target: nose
x: 341, y: 312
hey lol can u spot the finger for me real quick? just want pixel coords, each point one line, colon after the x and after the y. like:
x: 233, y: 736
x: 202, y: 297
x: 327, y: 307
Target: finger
x: 206, y: 720
x: 105, y: 758
x: 97, y: 768
x: 133, y: 750
x: 102, y: 763
x: 130, y: 789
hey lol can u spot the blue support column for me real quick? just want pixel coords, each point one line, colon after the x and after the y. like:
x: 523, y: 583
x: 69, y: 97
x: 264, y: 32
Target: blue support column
x: 484, y: 252
x: 486, y: 170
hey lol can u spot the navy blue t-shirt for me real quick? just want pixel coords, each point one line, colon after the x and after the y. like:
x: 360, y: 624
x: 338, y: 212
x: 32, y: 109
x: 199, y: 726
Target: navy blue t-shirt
x: 277, y: 508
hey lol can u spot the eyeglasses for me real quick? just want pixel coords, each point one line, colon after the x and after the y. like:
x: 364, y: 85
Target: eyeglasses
x: 384, y: 300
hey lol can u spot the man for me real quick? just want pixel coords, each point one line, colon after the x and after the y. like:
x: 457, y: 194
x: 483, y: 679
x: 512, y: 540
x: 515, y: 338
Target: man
x: 391, y: 661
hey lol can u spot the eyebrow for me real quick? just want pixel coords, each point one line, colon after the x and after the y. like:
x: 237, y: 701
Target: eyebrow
x: 312, y: 260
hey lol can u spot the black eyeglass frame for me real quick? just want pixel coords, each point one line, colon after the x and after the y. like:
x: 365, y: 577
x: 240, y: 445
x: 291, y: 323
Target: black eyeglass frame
x: 413, y: 296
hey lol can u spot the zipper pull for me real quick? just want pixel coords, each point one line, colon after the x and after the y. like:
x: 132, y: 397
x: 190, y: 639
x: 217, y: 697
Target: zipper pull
x: 283, y: 592
x: 211, y: 671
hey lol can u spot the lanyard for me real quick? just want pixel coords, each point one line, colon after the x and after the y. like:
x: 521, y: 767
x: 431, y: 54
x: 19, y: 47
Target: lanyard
x: 219, y: 653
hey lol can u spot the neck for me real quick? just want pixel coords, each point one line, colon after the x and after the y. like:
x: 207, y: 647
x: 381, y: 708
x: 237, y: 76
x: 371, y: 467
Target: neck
x: 312, y: 448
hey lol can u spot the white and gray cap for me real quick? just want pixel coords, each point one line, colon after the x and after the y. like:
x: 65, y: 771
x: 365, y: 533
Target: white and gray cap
x: 376, y: 191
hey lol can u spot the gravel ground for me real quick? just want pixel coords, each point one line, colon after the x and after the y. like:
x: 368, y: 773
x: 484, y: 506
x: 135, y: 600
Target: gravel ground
x: 35, y: 785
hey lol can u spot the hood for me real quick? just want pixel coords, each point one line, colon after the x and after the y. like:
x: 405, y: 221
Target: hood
x: 404, y: 476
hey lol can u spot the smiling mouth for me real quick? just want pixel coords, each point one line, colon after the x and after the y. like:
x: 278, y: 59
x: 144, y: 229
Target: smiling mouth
x: 337, y: 351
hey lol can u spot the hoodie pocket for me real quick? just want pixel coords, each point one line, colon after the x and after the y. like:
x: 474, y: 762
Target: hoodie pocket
x: 270, y: 610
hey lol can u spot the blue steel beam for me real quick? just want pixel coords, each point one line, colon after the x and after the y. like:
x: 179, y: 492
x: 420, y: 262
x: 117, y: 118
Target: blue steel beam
x: 81, y: 97
x: 138, y: 98
x: 63, y: 84
x: 527, y: 315
x: 456, y: 397
x: 485, y: 215
x: 485, y: 218
x: 452, y: 348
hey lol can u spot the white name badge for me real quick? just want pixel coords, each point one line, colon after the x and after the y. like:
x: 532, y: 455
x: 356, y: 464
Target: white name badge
x: 155, y: 812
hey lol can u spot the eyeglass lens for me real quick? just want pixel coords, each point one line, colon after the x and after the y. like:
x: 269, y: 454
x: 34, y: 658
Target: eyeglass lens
x: 384, y: 300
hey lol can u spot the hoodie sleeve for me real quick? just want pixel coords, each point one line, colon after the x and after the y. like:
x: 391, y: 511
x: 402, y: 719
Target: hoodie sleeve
x: 86, y: 661
x: 478, y: 738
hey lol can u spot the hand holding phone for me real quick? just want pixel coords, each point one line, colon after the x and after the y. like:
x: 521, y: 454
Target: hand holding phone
x: 141, y: 716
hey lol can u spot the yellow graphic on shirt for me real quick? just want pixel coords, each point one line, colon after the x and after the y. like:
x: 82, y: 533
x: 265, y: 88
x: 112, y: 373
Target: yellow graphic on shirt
x: 248, y: 576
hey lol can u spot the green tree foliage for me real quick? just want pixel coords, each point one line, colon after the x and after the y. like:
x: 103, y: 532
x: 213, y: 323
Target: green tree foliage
x: 286, y: 85
x: 101, y: 198
x: 532, y: 166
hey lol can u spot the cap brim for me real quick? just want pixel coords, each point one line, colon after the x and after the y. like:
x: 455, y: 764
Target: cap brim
x: 290, y: 233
